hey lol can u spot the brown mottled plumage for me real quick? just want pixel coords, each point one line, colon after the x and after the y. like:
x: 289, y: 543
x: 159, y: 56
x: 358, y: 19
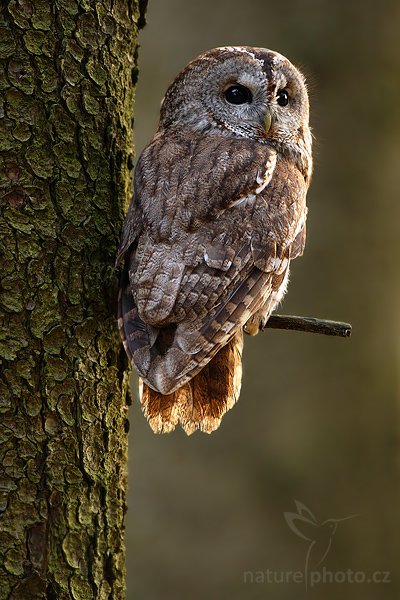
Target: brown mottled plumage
x: 218, y: 213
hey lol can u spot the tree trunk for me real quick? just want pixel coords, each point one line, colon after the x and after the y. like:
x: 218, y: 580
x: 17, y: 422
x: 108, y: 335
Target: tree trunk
x: 67, y: 75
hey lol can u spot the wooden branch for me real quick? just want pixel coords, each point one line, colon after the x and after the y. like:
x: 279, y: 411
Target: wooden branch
x: 310, y: 325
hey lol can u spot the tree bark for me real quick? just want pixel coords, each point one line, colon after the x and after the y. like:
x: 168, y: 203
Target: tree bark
x: 67, y: 75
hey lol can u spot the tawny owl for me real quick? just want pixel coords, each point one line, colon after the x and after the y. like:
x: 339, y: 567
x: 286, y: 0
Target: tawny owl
x: 219, y: 211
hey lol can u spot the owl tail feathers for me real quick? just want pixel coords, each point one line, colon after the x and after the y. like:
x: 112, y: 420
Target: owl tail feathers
x: 202, y: 402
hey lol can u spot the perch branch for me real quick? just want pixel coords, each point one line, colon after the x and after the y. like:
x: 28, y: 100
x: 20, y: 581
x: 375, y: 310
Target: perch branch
x: 309, y: 324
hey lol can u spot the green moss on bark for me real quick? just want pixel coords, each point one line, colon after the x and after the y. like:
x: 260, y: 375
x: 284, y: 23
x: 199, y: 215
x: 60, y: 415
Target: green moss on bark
x: 66, y: 101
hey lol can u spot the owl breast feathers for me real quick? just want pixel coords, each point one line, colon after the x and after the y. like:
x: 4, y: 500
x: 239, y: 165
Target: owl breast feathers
x: 219, y: 211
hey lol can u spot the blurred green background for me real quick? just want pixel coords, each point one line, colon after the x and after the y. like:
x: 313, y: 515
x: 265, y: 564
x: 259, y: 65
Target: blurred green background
x: 318, y: 417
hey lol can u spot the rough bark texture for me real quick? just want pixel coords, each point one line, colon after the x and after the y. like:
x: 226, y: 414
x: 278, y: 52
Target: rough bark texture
x: 67, y: 74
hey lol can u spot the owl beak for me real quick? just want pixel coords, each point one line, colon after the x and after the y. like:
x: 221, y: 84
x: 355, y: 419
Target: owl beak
x: 268, y: 121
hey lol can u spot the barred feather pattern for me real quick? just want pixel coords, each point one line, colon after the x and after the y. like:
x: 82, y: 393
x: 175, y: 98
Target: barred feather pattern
x: 203, y: 400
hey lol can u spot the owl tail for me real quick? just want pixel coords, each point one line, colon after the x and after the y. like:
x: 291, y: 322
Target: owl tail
x: 202, y: 402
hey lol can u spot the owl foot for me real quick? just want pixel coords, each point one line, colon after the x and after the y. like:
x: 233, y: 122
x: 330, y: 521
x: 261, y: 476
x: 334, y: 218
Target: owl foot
x: 255, y: 324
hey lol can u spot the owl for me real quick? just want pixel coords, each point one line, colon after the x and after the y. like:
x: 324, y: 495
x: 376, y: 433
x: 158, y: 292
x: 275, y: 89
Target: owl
x: 219, y: 212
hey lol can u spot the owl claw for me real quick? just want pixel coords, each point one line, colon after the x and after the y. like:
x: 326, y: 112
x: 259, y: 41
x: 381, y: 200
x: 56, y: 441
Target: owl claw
x: 252, y: 327
x: 255, y: 324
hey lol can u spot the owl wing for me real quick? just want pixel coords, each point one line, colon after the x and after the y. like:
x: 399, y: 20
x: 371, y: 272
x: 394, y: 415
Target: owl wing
x: 217, y: 221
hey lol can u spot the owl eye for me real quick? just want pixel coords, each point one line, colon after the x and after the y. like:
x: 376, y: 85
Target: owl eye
x: 282, y: 98
x: 238, y: 94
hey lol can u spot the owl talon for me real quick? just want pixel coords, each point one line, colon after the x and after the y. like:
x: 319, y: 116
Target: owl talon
x: 252, y: 327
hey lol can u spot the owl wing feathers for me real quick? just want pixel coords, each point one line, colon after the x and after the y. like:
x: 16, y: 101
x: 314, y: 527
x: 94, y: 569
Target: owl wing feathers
x: 210, y: 250
x: 132, y: 229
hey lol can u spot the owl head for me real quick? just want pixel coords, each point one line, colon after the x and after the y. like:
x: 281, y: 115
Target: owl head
x: 247, y: 92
